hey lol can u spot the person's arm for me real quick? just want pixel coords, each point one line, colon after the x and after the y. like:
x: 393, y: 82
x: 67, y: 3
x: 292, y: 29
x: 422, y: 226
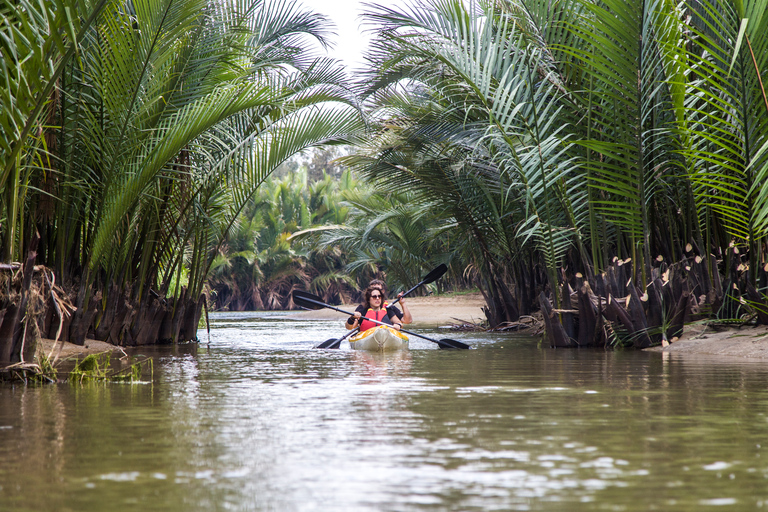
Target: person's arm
x: 353, y: 322
x: 407, y: 318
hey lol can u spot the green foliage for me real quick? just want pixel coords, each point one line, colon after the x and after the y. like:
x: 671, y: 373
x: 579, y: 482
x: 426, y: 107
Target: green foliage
x: 134, y: 372
x: 92, y: 367
x: 45, y: 371
x: 262, y: 260
x: 565, y: 134
x: 96, y: 368
x: 514, y: 139
x: 135, y: 134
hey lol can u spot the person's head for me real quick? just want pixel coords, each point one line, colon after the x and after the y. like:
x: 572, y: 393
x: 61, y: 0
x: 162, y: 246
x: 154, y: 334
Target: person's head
x: 377, y: 283
x: 374, y: 297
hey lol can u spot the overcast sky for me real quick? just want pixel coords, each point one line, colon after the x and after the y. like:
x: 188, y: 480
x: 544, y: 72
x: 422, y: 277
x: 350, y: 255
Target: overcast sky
x: 350, y: 41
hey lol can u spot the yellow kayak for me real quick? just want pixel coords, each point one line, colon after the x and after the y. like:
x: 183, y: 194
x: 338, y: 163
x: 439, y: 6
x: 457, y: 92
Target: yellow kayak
x: 379, y: 339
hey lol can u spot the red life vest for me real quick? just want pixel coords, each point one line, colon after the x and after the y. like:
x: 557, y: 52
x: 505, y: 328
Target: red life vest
x: 380, y: 315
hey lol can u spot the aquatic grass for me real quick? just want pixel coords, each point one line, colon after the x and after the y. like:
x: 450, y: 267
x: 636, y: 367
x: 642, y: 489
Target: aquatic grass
x: 92, y: 367
x: 619, y: 337
x: 46, y: 370
x: 96, y: 367
x: 134, y: 372
x: 28, y: 372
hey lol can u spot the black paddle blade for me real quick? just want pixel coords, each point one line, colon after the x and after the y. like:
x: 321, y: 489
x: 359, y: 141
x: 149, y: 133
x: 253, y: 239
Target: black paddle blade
x: 307, y: 300
x: 435, y: 274
x: 446, y: 343
x: 331, y: 343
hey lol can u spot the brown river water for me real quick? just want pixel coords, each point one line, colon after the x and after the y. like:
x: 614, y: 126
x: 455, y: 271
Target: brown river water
x: 254, y: 419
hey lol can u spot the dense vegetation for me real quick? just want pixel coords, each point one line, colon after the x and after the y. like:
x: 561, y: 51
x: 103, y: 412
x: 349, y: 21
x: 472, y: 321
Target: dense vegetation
x: 134, y: 133
x: 536, y: 145
x: 570, y: 138
x: 329, y: 235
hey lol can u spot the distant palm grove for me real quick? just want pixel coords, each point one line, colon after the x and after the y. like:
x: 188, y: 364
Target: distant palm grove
x: 603, y: 162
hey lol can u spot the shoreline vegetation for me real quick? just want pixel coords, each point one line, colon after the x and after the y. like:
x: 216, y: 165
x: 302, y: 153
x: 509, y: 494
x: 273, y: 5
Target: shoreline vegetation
x: 699, y: 339
x: 510, y: 141
x: 464, y: 311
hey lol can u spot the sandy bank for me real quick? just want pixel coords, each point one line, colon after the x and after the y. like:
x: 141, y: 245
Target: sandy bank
x: 426, y: 311
x: 745, y: 342
x: 66, y: 350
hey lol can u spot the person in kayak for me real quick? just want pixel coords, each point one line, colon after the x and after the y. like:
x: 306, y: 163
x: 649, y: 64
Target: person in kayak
x: 373, y: 308
x: 404, y: 315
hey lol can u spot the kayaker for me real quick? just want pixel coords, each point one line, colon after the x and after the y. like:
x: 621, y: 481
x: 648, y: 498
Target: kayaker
x: 404, y: 315
x: 372, y: 307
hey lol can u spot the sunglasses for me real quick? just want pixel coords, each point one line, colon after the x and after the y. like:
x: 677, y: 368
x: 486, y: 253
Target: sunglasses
x: 375, y: 296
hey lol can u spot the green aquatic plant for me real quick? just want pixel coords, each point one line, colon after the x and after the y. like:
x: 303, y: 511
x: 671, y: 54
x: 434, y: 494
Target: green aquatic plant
x: 46, y: 371
x: 134, y: 372
x: 96, y: 367
x: 92, y: 367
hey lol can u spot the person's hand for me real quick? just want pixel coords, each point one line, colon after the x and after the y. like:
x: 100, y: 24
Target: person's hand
x: 397, y: 326
x: 357, y: 315
x: 400, y: 297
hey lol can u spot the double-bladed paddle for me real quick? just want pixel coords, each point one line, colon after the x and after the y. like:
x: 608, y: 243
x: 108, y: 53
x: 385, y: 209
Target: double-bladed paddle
x: 433, y: 276
x: 311, y: 301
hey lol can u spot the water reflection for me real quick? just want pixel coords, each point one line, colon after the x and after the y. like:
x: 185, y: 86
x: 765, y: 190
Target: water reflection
x: 258, y: 420
x: 381, y: 366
